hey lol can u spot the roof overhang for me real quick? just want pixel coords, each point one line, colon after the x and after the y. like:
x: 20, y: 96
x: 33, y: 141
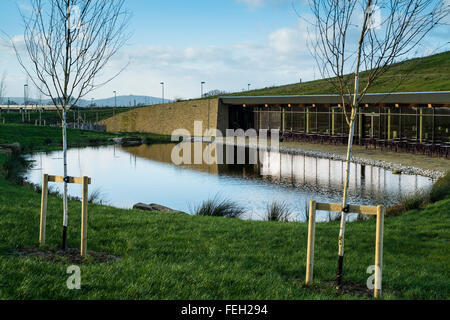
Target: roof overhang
x: 411, y: 98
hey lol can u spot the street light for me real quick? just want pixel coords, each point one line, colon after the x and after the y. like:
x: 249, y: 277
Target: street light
x: 162, y: 84
x: 249, y: 87
x: 115, y: 103
x: 202, y: 83
x: 25, y: 93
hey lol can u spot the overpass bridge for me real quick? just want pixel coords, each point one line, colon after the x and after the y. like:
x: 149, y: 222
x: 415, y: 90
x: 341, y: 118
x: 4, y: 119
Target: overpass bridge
x: 19, y: 108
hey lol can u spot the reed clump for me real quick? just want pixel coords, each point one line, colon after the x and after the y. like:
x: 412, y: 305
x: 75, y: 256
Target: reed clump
x: 217, y: 207
x: 278, y: 211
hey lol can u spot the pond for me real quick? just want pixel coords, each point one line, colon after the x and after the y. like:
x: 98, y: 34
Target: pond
x: 124, y: 176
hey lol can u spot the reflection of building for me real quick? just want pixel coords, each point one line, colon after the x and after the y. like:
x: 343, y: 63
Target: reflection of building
x: 163, y: 152
x: 307, y: 173
x: 317, y: 173
x: 420, y: 117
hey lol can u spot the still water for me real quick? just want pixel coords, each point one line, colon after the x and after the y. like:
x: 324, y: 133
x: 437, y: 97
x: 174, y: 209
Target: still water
x: 128, y: 175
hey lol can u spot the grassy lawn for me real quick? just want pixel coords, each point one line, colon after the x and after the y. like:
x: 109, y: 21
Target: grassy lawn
x: 34, y: 138
x: 172, y: 256
x: 91, y: 115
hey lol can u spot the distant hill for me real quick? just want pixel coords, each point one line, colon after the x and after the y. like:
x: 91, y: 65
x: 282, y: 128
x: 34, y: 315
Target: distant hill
x: 421, y: 74
x: 122, y: 101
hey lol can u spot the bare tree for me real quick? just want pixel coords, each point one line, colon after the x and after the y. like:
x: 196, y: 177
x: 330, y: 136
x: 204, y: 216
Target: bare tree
x: 68, y: 43
x: 385, y: 32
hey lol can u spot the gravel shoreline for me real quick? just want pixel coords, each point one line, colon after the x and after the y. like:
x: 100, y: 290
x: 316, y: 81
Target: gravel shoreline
x: 434, y: 174
x: 398, y: 167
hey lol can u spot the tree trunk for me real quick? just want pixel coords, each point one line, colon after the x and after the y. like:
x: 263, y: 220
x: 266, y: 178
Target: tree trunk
x: 65, y: 103
x: 344, y: 201
x: 65, y: 209
x: 355, y: 107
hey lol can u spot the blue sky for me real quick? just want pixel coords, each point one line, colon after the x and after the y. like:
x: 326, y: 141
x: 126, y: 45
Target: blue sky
x: 206, y: 22
x: 227, y: 43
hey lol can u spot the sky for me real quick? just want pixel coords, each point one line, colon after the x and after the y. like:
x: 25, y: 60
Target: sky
x: 226, y: 43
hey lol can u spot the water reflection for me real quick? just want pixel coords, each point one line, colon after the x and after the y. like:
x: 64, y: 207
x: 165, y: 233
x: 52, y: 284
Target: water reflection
x: 128, y: 175
x: 323, y: 176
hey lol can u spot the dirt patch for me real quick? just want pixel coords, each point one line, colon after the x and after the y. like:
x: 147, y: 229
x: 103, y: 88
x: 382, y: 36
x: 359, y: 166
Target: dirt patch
x: 349, y: 288
x: 70, y: 255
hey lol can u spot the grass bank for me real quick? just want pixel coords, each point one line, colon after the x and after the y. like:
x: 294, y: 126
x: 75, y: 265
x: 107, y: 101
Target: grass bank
x: 174, y: 256
x: 415, y: 75
x: 34, y: 138
x: 90, y: 115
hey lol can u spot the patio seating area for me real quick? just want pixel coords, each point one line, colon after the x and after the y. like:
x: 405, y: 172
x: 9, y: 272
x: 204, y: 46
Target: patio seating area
x: 415, y: 122
x: 436, y: 149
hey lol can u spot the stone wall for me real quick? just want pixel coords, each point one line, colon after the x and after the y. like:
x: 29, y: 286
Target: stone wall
x: 165, y: 118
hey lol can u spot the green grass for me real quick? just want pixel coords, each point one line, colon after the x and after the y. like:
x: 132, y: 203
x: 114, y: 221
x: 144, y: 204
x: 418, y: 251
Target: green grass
x: 441, y: 189
x: 173, y: 256
x: 410, y: 201
x: 33, y: 138
x: 217, y: 207
x: 91, y: 115
x: 278, y: 211
x: 416, y: 75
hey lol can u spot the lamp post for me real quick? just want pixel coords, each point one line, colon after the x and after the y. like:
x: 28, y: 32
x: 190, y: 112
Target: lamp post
x: 25, y: 93
x: 115, y: 103
x: 162, y: 85
x: 249, y: 86
x: 25, y: 89
x: 201, y: 91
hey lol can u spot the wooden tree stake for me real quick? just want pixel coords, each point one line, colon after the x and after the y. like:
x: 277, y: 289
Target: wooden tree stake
x: 84, y: 217
x: 311, y: 236
x: 85, y: 182
x: 43, y: 209
x: 379, y: 251
x: 379, y: 211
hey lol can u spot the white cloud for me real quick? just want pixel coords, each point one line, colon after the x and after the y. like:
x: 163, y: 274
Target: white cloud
x: 282, y: 58
x: 287, y: 40
x: 25, y: 7
x: 253, y: 3
x: 19, y: 43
